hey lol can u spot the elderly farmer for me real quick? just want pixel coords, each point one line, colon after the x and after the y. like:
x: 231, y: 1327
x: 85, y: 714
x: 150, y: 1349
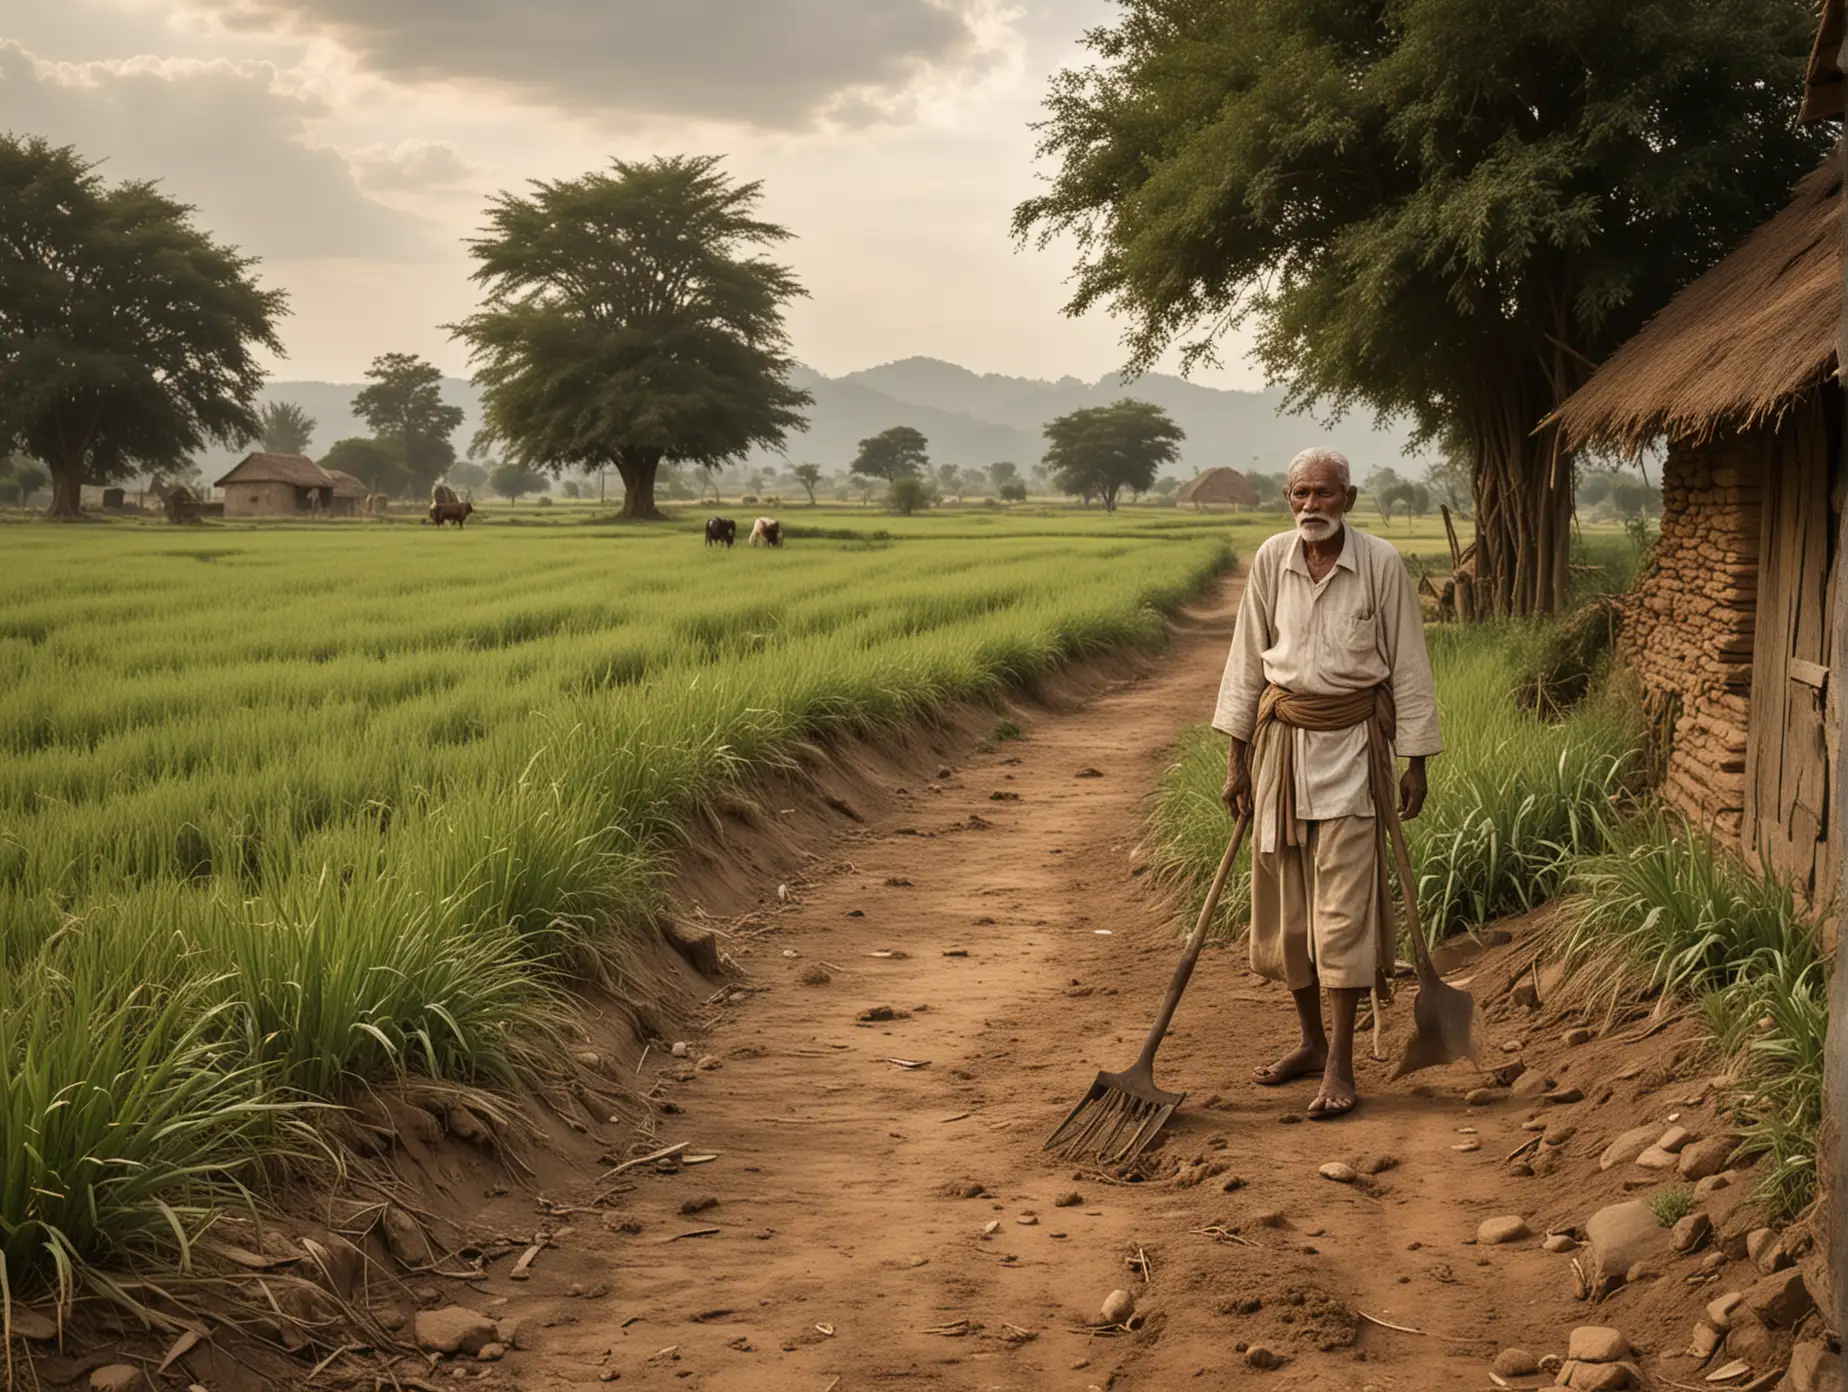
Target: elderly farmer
x: 1328, y: 673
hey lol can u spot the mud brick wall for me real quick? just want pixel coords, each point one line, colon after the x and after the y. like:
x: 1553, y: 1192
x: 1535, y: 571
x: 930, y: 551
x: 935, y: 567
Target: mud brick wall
x: 1689, y: 622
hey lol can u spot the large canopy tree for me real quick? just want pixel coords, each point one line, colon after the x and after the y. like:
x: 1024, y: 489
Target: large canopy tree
x: 404, y: 405
x: 129, y: 339
x: 894, y: 453
x: 629, y: 321
x: 285, y: 427
x: 1446, y: 209
x: 1099, y: 451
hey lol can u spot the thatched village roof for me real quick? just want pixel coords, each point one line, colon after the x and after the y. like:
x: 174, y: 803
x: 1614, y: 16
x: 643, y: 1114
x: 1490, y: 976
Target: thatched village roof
x: 296, y: 469
x: 1226, y: 487
x: 1736, y: 346
x: 346, y: 486
x: 1822, y: 84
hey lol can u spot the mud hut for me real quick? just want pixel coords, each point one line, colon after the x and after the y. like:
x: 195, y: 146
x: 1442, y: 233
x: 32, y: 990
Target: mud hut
x: 1730, y: 626
x: 350, y: 495
x: 277, y: 485
x: 1221, y: 487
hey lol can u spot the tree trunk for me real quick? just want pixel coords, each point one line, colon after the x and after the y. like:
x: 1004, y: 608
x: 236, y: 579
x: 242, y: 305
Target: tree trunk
x: 66, y: 488
x: 1523, y: 486
x: 638, y: 469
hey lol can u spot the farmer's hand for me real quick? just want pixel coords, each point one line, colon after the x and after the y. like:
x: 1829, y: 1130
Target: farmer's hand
x: 1412, y: 789
x: 1237, y: 794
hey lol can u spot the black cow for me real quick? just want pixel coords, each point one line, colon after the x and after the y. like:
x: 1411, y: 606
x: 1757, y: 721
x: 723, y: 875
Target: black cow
x: 721, y: 531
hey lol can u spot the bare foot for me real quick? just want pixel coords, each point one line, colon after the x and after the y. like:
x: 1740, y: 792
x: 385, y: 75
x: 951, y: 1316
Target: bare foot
x: 1298, y: 1063
x: 1337, y: 1097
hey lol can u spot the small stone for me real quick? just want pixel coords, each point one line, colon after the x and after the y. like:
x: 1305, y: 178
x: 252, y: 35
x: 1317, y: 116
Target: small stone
x: 1813, y: 1368
x: 1620, y: 1236
x: 1704, y: 1342
x: 1515, y: 1362
x: 1627, y: 1147
x: 1550, y: 1362
x: 1712, y: 1262
x: 1258, y: 1356
x: 1712, y: 1184
x: 454, y: 1329
x: 1559, y: 1133
x: 1028, y: 1220
x: 1070, y: 1199
x: 1655, y: 1158
x: 1560, y: 1097
x: 1572, y: 1038
x: 1484, y: 1096
x: 1560, y: 1242
x: 1780, y: 1300
x: 1758, y: 1242
x: 1601, y: 1377
x: 1596, y: 1343
x: 1750, y: 1339
x: 1721, y: 1309
x: 1494, y: 1232
x: 1673, y: 1139
x: 1340, y: 1173
x: 492, y: 1353
x: 1119, y: 1305
x: 1375, y: 1164
x: 680, y: 1049
x: 590, y: 1058
x: 1707, y: 1157
x: 1530, y: 1085
x: 1466, y: 1146
x: 115, y: 1377
x: 507, y: 1332
x: 30, y: 1324
x: 814, y: 974
x: 1691, y: 1232
x: 1640, y: 1272
x: 698, y: 1205
x: 709, y: 1063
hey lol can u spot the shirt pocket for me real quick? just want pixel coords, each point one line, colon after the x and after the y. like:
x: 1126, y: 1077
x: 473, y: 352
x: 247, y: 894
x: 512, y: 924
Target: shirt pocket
x: 1358, y: 633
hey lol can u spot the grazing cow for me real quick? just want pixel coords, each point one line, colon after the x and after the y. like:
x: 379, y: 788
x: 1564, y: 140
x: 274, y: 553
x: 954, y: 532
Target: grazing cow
x: 450, y: 512
x: 767, y: 531
x: 721, y: 531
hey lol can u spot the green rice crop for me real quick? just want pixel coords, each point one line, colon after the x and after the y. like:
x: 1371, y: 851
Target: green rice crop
x: 1513, y: 799
x: 289, y: 811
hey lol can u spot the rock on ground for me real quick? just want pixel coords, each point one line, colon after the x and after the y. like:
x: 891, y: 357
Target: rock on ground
x: 1119, y: 1305
x: 1691, y: 1231
x: 1781, y: 1300
x: 1621, y: 1236
x: 454, y: 1329
x: 115, y: 1377
x: 1340, y: 1173
x: 1515, y: 1362
x: 1814, y: 1369
x: 1627, y: 1147
x: 1495, y: 1231
x: 1597, y: 1343
x: 1703, y: 1158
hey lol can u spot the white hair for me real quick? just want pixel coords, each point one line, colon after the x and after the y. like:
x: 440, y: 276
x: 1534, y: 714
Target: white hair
x: 1320, y: 457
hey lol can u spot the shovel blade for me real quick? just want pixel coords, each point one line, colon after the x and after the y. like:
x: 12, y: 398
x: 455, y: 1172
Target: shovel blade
x: 1443, y: 1028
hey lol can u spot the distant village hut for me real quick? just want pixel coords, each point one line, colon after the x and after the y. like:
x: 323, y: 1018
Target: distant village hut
x: 1730, y: 624
x: 350, y: 495
x: 1221, y: 487
x: 278, y: 485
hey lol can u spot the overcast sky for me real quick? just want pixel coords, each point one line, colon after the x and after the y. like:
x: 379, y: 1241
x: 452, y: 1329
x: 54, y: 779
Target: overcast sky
x: 351, y: 143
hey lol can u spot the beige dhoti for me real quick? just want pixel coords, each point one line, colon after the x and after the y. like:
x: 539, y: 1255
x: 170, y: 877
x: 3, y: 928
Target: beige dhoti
x: 1315, y: 907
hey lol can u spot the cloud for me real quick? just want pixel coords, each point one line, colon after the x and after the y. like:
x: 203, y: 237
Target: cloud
x: 766, y: 63
x: 233, y: 139
x: 413, y: 166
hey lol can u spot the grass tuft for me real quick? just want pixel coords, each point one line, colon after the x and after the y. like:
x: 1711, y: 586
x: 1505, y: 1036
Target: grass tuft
x: 1671, y: 1205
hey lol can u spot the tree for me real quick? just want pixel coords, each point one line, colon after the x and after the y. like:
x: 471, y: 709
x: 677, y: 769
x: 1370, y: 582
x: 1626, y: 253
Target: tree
x: 1445, y: 209
x: 128, y: 338
x: 630, y: 319
x: 1014, y: 491
x: 1002, y: 473
x: 1382, y: 487
x: 285, y: 427
x: 1101, y: 450
x: 375, y: 463
x: 1448, y: 478
x: 906, y: 494
x: 467, y: 475
x: 29, y: 478
x: 808, y: 475
x: 513, y: 480
x: 899, y: 452
x: 405, y: 408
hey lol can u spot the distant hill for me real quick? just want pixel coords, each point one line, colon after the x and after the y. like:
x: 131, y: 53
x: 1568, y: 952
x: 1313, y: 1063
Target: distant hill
x: 971, y: 419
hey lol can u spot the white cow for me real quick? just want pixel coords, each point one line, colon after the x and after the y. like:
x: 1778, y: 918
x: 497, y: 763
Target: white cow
x: 766, y: 531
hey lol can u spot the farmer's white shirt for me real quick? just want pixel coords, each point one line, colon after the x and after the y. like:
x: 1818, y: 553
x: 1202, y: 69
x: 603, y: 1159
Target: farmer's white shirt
x: 1359, y: 626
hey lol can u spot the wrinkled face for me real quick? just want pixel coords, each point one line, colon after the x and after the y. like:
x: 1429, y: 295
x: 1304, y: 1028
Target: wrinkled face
x: 1319, y: 500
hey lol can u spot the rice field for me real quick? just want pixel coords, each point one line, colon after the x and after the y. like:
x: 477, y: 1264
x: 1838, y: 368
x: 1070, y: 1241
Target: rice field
x: 286, y: 811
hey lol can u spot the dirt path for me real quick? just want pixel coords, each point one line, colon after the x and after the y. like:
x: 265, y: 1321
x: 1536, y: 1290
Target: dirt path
x: 1028, y: 954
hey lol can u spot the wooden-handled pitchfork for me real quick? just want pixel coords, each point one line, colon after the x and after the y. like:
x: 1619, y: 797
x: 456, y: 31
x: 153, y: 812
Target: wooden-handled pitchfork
x: 1124, y: 1111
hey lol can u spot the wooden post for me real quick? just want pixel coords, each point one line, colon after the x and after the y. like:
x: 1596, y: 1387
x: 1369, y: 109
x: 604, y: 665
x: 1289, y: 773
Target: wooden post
x: 1832, y: 1154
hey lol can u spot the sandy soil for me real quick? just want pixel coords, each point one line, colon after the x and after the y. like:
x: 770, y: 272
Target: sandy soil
x: 999, y: 909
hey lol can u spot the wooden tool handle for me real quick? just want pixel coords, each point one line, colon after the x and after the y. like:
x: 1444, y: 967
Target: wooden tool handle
x: 1183, y: 970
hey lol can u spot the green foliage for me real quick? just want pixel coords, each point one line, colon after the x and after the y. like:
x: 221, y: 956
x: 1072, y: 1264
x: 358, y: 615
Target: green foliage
x: 1441, y: 208
x: 899, y: 452
x: 405, y: 408
x: 285, y: 428
x: 375, y: 463
x: 1569, y: 658
x: 1001, y: 474
x: 1099, y: 451
x: 29, y: 479
x: 1014, y: 491
x: 629, y: 320
x: 1672, y: 1204
x: 514, y: 481
x: 384, y: 835
x: 467, y: 474
x: 809, y: 476
x: 907, y: 494
x: 129, y: 339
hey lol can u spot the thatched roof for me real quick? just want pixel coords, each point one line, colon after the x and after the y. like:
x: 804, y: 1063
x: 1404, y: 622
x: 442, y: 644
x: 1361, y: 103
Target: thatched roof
x: 1822, y: 84
x: 346, y: 486
x: 1227, y: 487
x: 297, y: 469
x: 1737, y: 345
